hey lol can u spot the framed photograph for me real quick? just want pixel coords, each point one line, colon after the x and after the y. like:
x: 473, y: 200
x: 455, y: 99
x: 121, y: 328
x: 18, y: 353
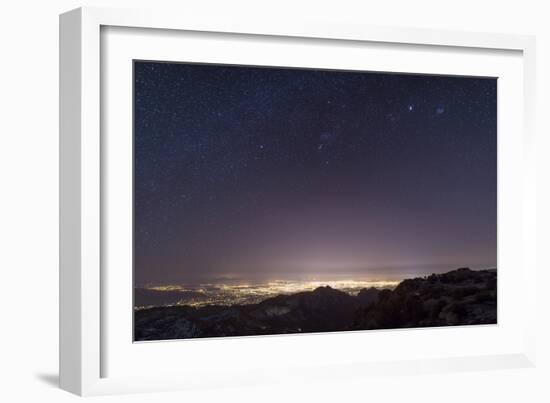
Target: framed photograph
x: 290, y: 200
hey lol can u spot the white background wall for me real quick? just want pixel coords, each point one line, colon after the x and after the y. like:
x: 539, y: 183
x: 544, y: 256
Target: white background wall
x: 29, y: 200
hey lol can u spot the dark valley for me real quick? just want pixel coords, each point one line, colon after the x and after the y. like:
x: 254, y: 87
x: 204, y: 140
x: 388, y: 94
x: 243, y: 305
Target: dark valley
x: 458, y: 297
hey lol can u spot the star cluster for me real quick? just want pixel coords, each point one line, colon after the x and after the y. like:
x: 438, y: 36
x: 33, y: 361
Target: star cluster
x: 249, y: 171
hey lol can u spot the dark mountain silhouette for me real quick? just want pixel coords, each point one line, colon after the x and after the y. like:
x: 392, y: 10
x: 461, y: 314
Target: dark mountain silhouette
x: 459, y: 297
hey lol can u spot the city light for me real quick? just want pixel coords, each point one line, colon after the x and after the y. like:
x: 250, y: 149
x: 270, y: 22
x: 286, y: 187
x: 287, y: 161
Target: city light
x: 251, y: 293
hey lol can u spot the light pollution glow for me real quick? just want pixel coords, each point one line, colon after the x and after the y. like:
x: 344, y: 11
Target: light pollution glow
x: 248, y: 293
x: 277, y: 173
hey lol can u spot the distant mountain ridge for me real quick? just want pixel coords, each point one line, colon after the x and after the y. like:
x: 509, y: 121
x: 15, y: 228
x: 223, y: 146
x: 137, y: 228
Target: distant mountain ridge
x: 459, y: 297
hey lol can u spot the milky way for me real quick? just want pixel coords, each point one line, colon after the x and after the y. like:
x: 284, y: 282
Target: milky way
x: 246, y: 172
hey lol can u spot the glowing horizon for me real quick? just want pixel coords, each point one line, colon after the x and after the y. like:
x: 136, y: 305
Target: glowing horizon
x: 241, y: 294
x: 273, y: 173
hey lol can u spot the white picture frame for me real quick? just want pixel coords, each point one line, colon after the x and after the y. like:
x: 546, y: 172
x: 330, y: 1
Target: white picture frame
x: 85, y: 343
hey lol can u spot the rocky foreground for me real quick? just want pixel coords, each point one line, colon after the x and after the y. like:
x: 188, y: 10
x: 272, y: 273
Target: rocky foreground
x: 459, y: 297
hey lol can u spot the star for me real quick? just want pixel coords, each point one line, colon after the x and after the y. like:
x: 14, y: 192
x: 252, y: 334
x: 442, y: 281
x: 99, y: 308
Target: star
x: 220, y: 147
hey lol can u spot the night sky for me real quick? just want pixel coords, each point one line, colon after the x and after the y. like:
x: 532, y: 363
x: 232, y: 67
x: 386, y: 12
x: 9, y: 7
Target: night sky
x: 272, y: 173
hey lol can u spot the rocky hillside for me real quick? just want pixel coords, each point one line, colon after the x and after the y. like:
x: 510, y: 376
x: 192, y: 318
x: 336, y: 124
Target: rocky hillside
x: 459, y: 297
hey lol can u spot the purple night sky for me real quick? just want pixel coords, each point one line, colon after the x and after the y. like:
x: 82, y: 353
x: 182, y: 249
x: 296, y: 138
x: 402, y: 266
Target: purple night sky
x: 274, y: 173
